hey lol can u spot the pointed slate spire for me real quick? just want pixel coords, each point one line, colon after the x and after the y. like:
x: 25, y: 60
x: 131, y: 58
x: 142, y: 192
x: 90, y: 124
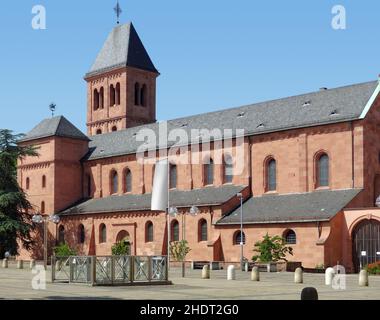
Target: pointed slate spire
x: 123, y: 48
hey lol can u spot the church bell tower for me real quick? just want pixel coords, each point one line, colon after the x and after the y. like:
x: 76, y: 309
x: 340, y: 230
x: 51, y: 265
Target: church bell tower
x: 121, y: 84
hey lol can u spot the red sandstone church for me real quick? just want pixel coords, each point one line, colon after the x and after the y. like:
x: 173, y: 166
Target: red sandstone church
x: 311, y: 171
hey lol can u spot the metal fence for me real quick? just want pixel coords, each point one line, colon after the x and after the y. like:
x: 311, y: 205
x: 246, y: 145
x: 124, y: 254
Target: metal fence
x: 110, y: 270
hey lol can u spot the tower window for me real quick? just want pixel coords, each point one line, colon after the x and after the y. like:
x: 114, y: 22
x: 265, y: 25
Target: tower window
x: 96, y: 99
x: 43, y: 207
x: 43, y: 181
x: 101, y: 98
x: 27, y: 184
x: 114, y: 128
x: 137, y: 94
x: 99, y: 131
x: 112, y: 95
x: 143, y: 95
x: 117, y: 98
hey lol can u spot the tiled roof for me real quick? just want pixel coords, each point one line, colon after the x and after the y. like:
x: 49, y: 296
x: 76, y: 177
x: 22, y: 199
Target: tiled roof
x: 56, y: 126
x: 312, y: 206
x: 134, y: 202
x: 122, y: 48
x: 312, y: 109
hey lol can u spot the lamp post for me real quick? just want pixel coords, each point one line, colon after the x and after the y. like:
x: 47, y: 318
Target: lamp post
x: 240, y: 195
x: 38, y: 219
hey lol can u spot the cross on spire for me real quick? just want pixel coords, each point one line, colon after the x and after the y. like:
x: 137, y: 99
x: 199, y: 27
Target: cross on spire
x: 118, y: 11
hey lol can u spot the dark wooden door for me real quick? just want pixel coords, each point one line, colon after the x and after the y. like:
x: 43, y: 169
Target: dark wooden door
x: 366, y: 243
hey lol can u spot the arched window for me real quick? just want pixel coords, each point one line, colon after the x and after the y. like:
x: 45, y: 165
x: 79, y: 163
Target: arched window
x: 202, y: 230
x: 114, y: 182
x: 43, y: 181
x: 88, y: 179
x: 43, y: 207
x: 27, y: 183
x: 323, y: 170
x: 175, y: 231
x: 271, y: 183
x: 127, y: 181
x: 112, y: 95
x: 96, y: 99
x: 290, y: 237
x: 143, y: 95
x: 114, y: 128
x: 228, y: 169
x: 209, y: 172
x: 102, y: 233
x: 117, y: 98
x: 99, y: 131
x: 81, y: 234
x: 61, y: 234
x: 149, y: 232
x: 137, y: 94
x: 238, y: 237
x: 101, y: 98
x: 173, y: 176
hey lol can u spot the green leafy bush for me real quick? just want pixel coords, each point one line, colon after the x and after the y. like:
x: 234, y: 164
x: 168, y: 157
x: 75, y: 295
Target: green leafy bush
x: 271, y: 249
x: 63, y: 250
x: 121, y: 248
x: 179, y: 250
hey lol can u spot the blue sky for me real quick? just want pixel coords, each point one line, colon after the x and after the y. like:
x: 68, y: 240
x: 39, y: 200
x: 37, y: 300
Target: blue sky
x: 211, y: 54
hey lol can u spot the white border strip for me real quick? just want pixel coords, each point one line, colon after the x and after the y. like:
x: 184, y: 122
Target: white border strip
x: 370, y: 102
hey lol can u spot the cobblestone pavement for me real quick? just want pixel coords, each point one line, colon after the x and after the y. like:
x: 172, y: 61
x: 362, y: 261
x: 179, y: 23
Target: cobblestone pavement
x: 17, y: 284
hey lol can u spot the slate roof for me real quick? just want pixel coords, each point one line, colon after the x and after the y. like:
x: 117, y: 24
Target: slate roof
x: 56, y: 126
x: 303, y: 207
x: 316, y: 108
x: 122, y: 48
x: 133, y: 202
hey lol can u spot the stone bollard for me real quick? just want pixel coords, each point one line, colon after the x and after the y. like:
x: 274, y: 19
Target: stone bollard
x: 298, y: 275
x: 231, y: 273
x: 329, y: 276
x: 363, y: 278
x: 32, y: 264
x: 255, y: 274
x: 206, y: 272
x: 58, y: 265
x: 309, y: 293
x: 20, y: 264
x: 5, y: 263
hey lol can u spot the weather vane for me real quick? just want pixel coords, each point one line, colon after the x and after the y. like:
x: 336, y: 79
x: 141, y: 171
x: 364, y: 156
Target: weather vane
x: 118, y: 11
x: 52, y: 108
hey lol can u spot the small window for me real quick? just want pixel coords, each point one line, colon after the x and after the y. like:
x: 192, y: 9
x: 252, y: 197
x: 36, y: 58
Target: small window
x: 323, y: 170
x: 209, y: 173
x: 149, y: 232
x: 61, y: 234
x: 101, y: 98
x: 202, y: 230
x: 137, y: 94
x: 96, y: 99
x: 228, y: 169
x: 175, y: 231
x: 27, y: 184
x: 114, y: 182
x: 81, y: 234
x: 173, y: 176
x: 102, y: 233
x: 43, y: 207
x: 238, y: 237
x: 117, y: 98
x: 112, y: 95
x: 143, y: 94
x: 290, y: 237
x: 114, y: 128
x: 99, y: 131
x: 271, y: 183
x: 43, y: 181
x: 128, y: 181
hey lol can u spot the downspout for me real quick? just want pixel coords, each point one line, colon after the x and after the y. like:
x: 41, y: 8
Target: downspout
x: 352, y: 155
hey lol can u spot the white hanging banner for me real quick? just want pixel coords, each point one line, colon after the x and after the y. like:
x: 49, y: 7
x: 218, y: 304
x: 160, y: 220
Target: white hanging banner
x: 160, y: 186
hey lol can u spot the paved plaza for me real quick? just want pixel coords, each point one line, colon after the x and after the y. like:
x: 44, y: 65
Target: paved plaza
x: 17, y: 284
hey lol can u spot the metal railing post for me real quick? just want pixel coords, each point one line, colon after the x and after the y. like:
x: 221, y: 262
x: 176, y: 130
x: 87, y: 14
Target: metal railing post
x: 112, y: 270
x: 132, y: 269
x: 150, y: 267
x: 166, y: 269
x: 93, y: 270
x: 52, y: 268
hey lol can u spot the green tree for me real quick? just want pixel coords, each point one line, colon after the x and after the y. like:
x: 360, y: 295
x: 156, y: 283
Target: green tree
x: 121, y: 248
x: 179, y: 251
x: 271, y: 249
x: 64, y: 250
x: 15, y: 222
